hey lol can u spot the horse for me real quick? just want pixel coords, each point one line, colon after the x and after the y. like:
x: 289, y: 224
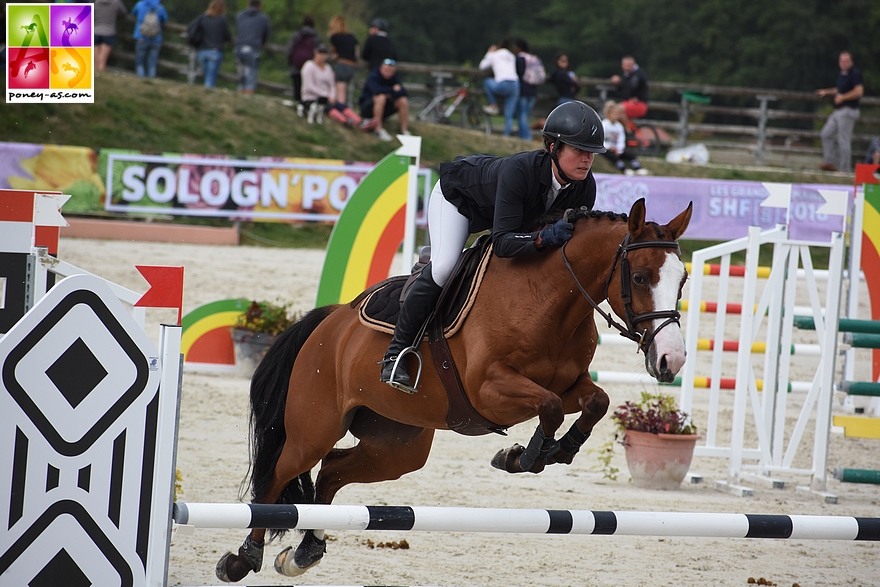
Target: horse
x: 523, y: 351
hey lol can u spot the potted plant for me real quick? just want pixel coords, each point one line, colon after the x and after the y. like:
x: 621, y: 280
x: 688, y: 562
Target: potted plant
x: 659, y: 440
x: 256, y: 330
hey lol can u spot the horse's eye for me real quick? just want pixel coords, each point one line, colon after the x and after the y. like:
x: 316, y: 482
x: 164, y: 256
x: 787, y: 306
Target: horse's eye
x: 639, y: 279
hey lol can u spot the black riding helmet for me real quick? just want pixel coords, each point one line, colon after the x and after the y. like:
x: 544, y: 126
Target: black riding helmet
x: 576, y: 124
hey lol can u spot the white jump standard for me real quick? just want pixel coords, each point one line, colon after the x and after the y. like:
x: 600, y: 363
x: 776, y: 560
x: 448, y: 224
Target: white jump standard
x: 525, y: 521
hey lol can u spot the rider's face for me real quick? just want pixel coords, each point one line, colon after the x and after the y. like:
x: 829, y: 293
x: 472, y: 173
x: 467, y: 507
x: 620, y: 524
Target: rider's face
x: 575, y: 163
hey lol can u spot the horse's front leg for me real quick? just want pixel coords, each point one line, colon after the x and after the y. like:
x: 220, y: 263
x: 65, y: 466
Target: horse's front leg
x: 593, y: 402
x: 543, y: 449
x: 513, y: 397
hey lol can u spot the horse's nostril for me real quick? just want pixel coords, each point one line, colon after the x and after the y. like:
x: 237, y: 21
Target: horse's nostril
x: 663, y: 365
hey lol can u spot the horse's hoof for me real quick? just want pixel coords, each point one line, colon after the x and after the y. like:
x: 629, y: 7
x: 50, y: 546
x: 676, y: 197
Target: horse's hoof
x: 307, y: 555
x: 505, y: 459
x: 229, y: 568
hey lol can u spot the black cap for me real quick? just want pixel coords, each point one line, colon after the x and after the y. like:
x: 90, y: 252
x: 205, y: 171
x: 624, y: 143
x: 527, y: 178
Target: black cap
x: 380, y: 23
x: 321, y: 48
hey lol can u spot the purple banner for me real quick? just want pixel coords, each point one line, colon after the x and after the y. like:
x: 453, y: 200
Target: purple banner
x: 723, y: 209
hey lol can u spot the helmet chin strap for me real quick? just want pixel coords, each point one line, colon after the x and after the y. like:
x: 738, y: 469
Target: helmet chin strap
x: 555, y: 159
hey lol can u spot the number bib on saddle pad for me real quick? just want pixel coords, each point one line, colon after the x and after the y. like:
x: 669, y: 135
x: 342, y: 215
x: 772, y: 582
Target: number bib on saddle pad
x: 379, y: 306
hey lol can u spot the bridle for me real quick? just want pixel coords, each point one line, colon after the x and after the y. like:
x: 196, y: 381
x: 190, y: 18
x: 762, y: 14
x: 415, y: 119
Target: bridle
x: 621, y: 257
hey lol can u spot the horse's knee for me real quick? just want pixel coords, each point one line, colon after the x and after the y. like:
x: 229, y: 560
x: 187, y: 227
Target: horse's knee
x: 596, y: 405
x: 551, y: 413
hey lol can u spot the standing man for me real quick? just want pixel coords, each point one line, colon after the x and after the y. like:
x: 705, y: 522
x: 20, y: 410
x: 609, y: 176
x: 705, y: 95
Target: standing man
x: 378, y: 47
x: 632, y: 87
x: 253, y: 33
x: 838, y: 129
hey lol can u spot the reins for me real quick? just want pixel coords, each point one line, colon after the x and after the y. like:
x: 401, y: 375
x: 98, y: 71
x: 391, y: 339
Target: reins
x: 621, y: 256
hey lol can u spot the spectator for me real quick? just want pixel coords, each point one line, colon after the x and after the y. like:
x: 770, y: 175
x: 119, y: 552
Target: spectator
x: 384, y: 95
x: 528, y: 93
x: 564, y: 80
x: 106, y: 14
x: 319, y: 91
x: 253, y: 32
x: 215, y: 33
x: 838, y: 129
x: 872, y: 156
x: 632, y: 88
x: 615, y: 140
x: 301, y: 49
x: 148, y: 36
x: 378, y: 47
x: 345, y: 55
x: 503, y: 83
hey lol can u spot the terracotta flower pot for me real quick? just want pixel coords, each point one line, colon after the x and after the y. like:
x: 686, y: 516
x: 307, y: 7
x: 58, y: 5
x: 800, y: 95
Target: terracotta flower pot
x: 658, y: 461
x: 250, y: 348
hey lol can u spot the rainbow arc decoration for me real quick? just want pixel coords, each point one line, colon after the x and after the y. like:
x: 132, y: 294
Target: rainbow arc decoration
x: 870, y: 258
x: 371, y: 227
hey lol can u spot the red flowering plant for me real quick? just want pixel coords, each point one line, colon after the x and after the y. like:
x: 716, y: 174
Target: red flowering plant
x: 656, y: 414
x: 267, y: 317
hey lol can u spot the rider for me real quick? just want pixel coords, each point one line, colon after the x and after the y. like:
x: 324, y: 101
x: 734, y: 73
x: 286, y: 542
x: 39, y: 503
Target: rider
x: 504, y: 194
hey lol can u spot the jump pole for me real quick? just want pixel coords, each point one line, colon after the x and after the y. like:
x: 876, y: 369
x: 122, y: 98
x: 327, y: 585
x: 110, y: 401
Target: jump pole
x: 525, y: 521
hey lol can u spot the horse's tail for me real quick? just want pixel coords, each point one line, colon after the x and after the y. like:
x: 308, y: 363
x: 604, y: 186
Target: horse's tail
x: 268, y: 397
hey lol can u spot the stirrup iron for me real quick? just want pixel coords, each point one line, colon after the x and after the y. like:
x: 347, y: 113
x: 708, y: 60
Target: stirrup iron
x: 411, y: 350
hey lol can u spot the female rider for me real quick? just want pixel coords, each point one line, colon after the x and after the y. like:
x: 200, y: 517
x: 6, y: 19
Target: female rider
x: 504, y: 194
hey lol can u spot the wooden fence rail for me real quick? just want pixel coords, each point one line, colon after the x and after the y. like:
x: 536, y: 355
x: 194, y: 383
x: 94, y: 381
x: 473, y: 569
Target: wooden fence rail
x: 751, y: 125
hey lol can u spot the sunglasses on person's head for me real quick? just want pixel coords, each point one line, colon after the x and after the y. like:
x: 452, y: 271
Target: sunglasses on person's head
x: 390, y: 62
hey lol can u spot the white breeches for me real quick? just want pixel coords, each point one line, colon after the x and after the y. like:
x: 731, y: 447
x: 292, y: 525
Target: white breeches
x: 448, y: 231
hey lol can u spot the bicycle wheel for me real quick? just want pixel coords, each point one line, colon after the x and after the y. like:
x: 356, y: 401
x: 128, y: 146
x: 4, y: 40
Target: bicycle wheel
x: 473, y: 117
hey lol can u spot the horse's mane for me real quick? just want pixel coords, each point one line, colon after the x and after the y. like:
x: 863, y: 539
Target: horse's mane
x: 576, y: 214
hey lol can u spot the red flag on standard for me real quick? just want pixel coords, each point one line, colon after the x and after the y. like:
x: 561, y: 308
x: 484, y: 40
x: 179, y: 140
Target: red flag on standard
x: 166, y: 288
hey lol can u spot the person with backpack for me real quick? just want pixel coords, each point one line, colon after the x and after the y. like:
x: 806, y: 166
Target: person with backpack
x: 531, y: 74
x: 301, y: 49
x: 208, y: 33
x: 150, y: 15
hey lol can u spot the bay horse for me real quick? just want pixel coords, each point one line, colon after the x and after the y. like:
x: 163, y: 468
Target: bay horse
x: 524, y: 351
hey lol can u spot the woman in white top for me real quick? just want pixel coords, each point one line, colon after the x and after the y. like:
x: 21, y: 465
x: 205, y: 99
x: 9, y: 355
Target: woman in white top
x: 615, y: 140
x: 504, y: 82
x: 319, y: 91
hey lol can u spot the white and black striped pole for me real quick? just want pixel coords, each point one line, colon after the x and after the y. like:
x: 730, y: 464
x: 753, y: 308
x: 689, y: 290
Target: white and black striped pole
x: 526, y: 521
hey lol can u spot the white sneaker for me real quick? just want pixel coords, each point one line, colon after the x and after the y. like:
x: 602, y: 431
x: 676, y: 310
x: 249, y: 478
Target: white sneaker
x: 300, y: 110
x: 642, y: 171
x: 406, y: 133
x: 629, y: 172
x: 383, y: 135
x: 491, y: 109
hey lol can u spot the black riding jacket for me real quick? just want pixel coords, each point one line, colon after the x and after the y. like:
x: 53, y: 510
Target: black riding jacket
x: 507, y: 194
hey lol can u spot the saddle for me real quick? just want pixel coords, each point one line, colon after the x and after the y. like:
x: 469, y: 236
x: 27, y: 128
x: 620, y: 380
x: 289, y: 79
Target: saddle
x: 379, y: 306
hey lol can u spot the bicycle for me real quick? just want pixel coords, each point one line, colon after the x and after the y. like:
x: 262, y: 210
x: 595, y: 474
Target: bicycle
x: 445, y: 103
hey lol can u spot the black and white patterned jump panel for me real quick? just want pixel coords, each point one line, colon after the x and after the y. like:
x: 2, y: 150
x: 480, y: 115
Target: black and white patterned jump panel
x: 79, y: 386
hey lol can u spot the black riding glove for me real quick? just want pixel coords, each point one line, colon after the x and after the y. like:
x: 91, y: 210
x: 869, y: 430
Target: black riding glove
x: 556, y: 234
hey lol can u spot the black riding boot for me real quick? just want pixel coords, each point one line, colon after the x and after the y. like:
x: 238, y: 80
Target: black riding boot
x: 417, y: 306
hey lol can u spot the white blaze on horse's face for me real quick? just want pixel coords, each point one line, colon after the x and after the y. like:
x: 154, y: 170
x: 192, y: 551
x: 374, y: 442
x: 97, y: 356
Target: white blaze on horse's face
x: 669, y: 354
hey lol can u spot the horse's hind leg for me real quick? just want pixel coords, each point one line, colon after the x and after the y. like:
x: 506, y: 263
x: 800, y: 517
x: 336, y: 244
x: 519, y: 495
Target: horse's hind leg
x: 386, y: 450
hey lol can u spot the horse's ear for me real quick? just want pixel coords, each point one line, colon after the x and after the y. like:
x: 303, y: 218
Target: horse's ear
x: 680, y: 223
x: 637, y: 217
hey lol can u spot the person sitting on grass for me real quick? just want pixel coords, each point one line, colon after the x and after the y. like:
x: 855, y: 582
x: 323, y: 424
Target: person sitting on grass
x: 318, y: 91
x: 383, y: 95
x: 615, y: 140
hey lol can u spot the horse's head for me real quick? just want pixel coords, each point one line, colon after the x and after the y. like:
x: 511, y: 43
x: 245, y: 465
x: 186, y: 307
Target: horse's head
x: 651, y: 276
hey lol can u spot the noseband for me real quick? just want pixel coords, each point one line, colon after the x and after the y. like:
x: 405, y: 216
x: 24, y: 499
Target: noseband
x: 629, y: 331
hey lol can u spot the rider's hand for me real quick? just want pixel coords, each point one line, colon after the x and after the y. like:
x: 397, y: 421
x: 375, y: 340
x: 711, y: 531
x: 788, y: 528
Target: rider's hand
x: 556, y: 234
